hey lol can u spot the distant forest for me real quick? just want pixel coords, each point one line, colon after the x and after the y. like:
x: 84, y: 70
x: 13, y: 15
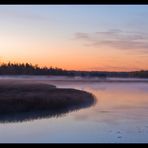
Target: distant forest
x: 29, y: 69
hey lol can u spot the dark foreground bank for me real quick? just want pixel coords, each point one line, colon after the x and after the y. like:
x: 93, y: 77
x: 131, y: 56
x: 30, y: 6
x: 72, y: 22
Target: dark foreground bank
x: 36, y: 100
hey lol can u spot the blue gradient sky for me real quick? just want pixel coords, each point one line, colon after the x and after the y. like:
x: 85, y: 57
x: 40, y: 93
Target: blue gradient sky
x: 84, y: 37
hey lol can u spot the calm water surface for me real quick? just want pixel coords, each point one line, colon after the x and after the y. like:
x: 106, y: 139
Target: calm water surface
x: 120, y: 115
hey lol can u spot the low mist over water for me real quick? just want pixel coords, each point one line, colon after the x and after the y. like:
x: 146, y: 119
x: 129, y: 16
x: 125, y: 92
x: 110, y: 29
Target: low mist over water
x: 119, y: 115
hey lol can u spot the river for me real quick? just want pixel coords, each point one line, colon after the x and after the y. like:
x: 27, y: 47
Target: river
x: 120, y: 115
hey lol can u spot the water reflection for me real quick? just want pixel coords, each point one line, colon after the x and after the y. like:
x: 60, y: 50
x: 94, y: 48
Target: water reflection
x: 119, y: 116
x: 117, y: 103
x: 35, y: 115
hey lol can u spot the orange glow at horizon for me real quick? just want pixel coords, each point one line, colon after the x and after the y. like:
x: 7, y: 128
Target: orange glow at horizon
x: 91, y: 38
x: 79, y: 59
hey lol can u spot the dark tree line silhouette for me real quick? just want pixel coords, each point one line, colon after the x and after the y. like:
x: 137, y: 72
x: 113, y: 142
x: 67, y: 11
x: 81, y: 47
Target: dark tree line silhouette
x: 29, y: 69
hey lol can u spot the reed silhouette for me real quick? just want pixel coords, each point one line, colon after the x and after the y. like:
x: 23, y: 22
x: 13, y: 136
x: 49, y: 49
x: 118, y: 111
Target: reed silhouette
x: 30, y: 101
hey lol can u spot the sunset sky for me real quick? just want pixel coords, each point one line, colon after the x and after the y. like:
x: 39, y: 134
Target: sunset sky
x: 78, y: 37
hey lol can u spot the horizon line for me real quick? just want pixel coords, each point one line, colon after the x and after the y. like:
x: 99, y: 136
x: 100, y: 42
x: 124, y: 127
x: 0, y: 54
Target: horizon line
x: 1, y: 63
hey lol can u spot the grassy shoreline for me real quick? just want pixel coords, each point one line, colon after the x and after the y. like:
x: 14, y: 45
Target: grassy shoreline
x: 18, y: 97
